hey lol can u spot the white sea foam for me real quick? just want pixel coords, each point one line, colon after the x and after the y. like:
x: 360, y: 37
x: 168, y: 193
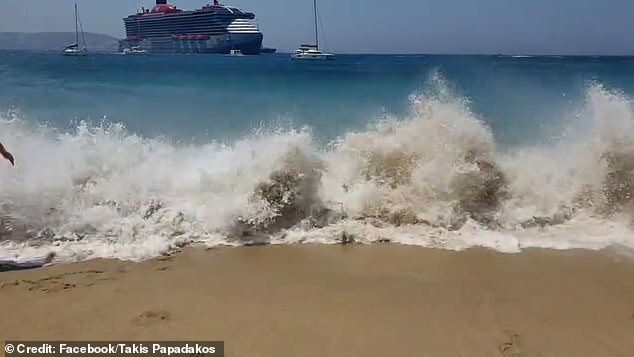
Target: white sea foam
x: 433, y: 179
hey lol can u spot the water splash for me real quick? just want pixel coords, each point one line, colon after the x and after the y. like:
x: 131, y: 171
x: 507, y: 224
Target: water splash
x: 434, y: 178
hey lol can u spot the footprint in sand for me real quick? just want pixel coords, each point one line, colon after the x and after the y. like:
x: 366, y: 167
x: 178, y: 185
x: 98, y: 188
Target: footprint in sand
x: 512, y: 348
x: 167, y: 259
x: 10, y: 284
x: 62, y: 282
x: 151, y: 318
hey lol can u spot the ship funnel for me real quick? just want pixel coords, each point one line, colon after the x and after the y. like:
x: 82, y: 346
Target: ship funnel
x: 161, y: 2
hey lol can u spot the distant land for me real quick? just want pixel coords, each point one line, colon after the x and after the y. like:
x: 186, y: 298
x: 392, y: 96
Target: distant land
x: 54, y: 41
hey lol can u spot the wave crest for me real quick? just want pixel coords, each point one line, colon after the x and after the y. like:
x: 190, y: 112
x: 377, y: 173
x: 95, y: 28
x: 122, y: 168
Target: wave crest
x: 434, y: 178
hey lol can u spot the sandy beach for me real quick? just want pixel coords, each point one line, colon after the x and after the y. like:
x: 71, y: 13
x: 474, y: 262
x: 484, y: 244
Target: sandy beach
x: 379, y: 300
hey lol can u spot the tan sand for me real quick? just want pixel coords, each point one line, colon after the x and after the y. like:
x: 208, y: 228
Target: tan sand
x: 380, y: 300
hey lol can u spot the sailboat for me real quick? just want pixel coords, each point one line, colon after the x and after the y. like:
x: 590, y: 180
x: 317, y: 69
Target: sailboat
x: 74, y: 50
x: 312, y: 52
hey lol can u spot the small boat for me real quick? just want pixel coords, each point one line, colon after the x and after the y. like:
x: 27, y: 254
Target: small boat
x: 268, y: 50
x: 235, y: 53
x: 74, y: 50
x: 137, y: 50
x: 312, y: 52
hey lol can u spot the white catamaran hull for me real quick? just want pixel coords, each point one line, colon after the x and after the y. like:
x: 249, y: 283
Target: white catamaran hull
x: 75, y: 53
x: 325, y: 56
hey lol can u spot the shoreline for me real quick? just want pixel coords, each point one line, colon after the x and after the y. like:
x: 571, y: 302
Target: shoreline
x: 350, y: 300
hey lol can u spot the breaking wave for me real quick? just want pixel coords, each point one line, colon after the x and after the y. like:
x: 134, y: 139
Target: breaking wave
x: 434, y: 179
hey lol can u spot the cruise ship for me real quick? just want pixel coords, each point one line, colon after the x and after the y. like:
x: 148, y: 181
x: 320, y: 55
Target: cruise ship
x: 214, y: 28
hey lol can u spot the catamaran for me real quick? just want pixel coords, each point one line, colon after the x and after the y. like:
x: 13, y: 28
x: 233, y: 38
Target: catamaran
x: 74, y: 50
x: 312, y: 52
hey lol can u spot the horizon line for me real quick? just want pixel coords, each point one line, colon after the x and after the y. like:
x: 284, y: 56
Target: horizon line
x: 289, y: 51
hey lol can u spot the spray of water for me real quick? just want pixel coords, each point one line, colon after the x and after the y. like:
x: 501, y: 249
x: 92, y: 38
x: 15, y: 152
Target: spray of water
x: 434, y: 178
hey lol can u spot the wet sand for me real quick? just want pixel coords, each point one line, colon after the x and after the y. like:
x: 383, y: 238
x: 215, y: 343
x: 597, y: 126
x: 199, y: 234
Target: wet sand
x: 379, y: 300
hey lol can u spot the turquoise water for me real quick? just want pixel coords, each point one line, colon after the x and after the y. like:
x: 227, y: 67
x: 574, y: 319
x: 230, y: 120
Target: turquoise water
x: 129, y: 156
x: 210, y: 97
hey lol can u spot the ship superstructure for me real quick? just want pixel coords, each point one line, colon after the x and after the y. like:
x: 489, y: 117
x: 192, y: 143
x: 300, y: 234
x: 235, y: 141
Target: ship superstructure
x: 214, y: 28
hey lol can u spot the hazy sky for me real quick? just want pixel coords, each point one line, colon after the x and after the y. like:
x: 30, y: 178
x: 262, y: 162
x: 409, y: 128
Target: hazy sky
x: 403, y: 26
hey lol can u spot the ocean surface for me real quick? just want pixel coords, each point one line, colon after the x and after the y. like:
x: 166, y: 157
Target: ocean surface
x: 131, y: 157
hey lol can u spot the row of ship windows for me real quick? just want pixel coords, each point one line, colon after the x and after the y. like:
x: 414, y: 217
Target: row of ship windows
x: 190, y: 30
x: 235, y: 12
x: 207, y: 23
x: 193, y: 30
x: 191, y: 20
x: 198, y: 31
x: 186, y: 18
x: 210, y: 33
x: 189, y: 26
x: 221, y: 26
x: 169, y: 42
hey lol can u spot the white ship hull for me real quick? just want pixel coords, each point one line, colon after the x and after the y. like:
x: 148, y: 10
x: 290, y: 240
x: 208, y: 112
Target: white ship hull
x: 248, y: 44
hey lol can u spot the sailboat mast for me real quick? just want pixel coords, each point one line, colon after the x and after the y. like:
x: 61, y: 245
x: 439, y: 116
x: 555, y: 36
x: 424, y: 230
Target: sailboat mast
x: 316, y: 33
x: 83, y: 34
x: 76, y: 28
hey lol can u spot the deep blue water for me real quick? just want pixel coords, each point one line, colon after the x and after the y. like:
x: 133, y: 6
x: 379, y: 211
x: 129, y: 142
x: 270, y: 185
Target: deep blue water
x: 220, y: 97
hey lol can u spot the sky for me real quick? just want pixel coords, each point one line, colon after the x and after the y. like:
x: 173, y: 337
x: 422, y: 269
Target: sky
x: 372, y: 26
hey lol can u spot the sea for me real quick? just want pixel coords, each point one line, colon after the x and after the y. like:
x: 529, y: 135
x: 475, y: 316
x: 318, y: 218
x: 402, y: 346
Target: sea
x: 132, y: 157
